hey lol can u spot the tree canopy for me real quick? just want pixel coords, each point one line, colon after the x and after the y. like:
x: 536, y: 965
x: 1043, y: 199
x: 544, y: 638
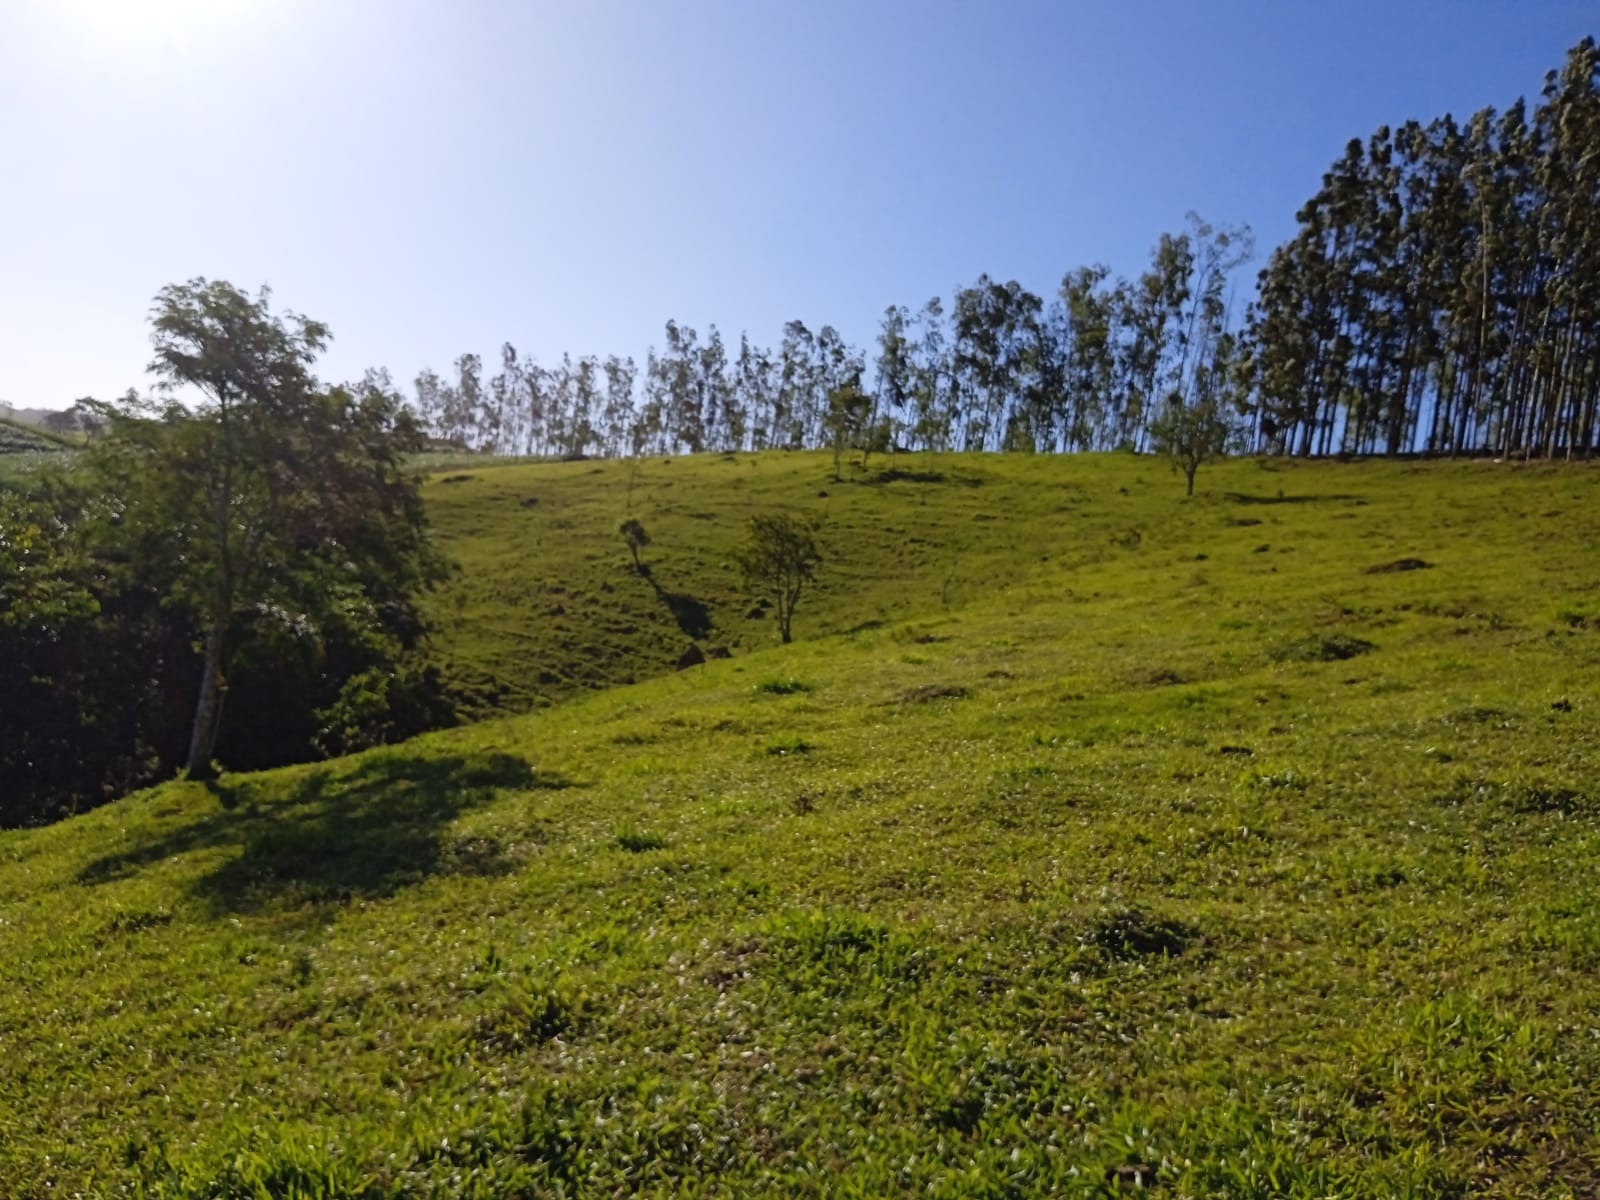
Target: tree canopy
x: 251, y: 518
x: 778, y: 557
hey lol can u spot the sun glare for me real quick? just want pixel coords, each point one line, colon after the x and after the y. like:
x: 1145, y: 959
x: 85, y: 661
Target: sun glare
x: 146, y: 25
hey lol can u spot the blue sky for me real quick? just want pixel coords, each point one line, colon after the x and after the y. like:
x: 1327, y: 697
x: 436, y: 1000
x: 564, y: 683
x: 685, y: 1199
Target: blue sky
x: 436, y: 177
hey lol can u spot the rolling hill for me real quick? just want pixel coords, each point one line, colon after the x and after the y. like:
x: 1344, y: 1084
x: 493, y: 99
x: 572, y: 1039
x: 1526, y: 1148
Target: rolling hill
x: 19, y: 437
x: 1250, y: 839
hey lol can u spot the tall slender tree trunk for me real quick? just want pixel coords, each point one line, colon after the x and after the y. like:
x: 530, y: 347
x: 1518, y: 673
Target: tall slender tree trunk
x: 208, y: 709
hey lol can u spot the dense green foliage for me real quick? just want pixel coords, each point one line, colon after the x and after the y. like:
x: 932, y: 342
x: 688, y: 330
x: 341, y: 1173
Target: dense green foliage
x: 16, y: 437
x: 1440, y: 296
x: 1252, y: 836
x: 267, y: 543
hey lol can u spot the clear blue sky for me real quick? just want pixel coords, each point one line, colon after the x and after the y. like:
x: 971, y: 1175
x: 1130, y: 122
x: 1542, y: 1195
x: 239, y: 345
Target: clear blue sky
x: 435, y: 176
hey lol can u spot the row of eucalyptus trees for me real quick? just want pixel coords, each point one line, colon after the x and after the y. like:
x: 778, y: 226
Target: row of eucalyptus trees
x: 1441, y: 294
x: 997, y: 367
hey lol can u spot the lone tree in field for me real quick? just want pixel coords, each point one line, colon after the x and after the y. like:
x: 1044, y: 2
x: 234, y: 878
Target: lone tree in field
x: 779, y: 557
x: 633, y: 532
x: 1189, y: 434
x: 267, y: 498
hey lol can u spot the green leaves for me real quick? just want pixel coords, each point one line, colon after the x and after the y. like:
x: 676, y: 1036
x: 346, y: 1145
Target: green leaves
x: 779, y: 556
x: 254, y: 514
x: 1189, y: 434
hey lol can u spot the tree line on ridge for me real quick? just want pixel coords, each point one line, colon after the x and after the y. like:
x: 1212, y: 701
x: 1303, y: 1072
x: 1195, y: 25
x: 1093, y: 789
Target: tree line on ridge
x: 1440, y: 295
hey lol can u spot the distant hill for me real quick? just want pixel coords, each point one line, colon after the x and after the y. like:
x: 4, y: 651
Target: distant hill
x: 20, y: 437
x: 26, y: 416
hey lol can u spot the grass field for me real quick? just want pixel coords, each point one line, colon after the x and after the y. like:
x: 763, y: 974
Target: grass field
x: 24, y: 447
x: 1252, y: 837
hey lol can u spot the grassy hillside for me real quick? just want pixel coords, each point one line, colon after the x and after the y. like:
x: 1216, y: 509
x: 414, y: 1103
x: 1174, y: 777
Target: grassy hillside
x: 23, y: 446
x: 1099, y: 827
x: 548, y: 603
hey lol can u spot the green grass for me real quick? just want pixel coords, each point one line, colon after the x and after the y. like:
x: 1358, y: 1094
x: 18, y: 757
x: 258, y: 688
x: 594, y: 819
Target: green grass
x: 24, y: 447
x: 1071, y: 848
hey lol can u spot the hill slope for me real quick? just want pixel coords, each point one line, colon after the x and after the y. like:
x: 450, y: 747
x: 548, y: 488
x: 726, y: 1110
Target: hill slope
x: 20, y: 443
x: 548, y: 604
x: 1200, y: 843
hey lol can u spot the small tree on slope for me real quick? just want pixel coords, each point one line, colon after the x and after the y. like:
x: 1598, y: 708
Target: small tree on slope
x: 1189, y: 434
x: 779, y: 557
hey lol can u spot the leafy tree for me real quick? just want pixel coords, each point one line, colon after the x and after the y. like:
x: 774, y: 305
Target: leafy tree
x: 996, y: 337
x: 91, y: 659
x: 895, y: 366
x: 633, y: 533
x: 1088, y: 337
x: 848, y: 421
x: 779, y: 557
x: 505, y: 391
x: 798, y: 375
x: 618, y: 415
x: 756, y: 383
x: 1189, y: 434
x: 931, y: 390
x: 272, y: 503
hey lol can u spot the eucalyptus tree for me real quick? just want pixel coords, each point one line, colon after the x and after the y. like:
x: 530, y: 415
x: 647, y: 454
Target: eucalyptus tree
x: 1216, y: 252
x: 618, y: 416
x: 848, y: 421
x: 430, y: 399
x: 755, y: 379
x: 932, y: 379
x: 716, y: 396
x: 895, y: 368
x: 683, y: 417
x: 996, y: 329
x: 798, y: 380
x: 1088, y: 343
x: 1153, y: 318
x: 505, y: 395
x: 649, y: 429
x: 462, y: 415
x: 838, y: 366
x: 558, y: 406
x: 586, y: 403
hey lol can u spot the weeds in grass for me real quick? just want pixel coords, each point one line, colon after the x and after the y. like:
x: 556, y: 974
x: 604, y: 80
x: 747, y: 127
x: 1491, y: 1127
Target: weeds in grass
x: 635, y: 842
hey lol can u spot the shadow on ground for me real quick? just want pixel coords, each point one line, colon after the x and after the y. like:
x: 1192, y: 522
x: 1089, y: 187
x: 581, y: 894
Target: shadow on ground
x: 691, y: 613
x: 363, y: 833
x: 902, y: 475
x: 1280, y: 498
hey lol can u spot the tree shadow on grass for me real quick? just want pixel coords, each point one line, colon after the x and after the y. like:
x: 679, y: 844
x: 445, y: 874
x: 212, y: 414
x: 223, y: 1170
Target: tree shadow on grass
x: 691, y: 613
x: 363, y: 833
x: 908, y: 475
x: 1280, y: 498
x: 896, y: 475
